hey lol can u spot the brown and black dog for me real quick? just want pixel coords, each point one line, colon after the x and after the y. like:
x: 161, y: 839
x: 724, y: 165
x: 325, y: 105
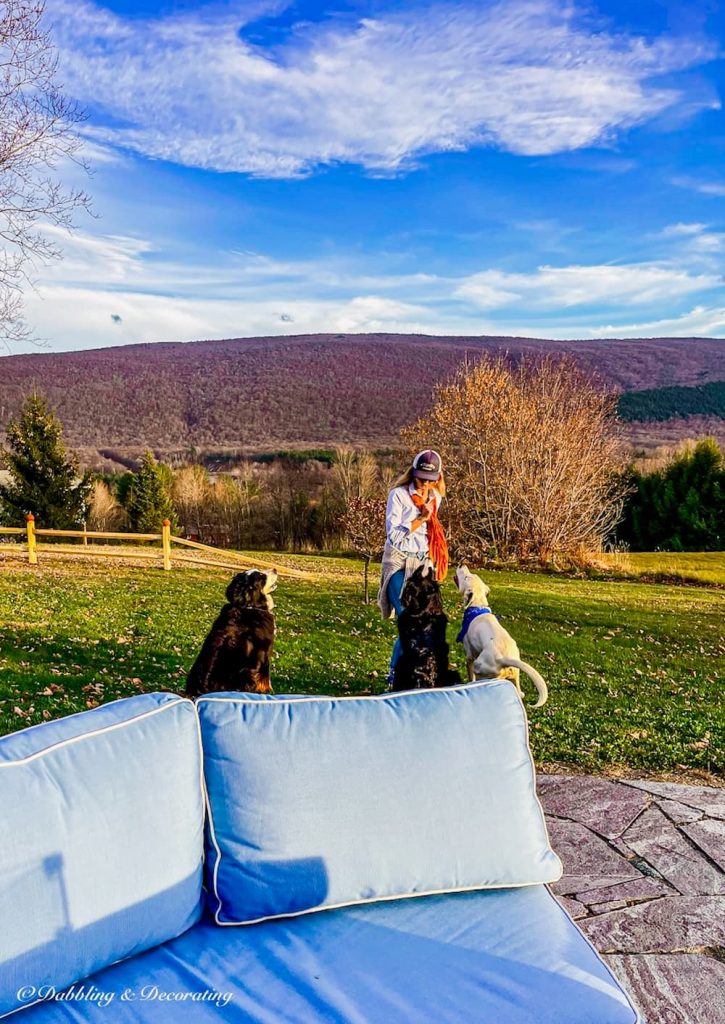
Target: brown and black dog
x: 235, y: 654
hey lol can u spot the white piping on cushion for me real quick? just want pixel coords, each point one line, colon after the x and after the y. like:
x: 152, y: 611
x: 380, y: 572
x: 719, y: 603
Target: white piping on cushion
x: 391, y: 695
x: 638, y: 1019
x: 77, y: 714
x: 383, y: 899
x: 94, y: 732
x: 374, y: 899
x: 215, y: 873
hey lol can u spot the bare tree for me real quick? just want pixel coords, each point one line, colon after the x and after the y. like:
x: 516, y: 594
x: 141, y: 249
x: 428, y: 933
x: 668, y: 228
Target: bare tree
x: 353, y: 475
x: 364, y: 522
x: 36, y: 133
x: 229, y: 508
x: 105, y: 513
x: 191, y: 493
x: 532, y: 458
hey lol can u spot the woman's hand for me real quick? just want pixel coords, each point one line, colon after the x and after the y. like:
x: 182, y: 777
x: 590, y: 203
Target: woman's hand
x: 426, y: 512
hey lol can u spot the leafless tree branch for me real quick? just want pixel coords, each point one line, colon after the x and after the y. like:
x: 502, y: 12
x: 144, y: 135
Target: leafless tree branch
x: 37, y: 131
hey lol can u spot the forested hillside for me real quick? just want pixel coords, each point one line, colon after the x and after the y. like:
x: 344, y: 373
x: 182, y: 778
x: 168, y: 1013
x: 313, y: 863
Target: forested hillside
x: 317, y: 390
x: 662, y: 404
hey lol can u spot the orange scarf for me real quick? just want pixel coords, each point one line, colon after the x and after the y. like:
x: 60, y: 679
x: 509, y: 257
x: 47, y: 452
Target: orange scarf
x: 437, y: 544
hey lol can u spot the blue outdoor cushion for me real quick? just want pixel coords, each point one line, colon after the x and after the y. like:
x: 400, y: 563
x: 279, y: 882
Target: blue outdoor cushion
x: 102, y: 840
x: 510, y: 956
x: 318, y: 802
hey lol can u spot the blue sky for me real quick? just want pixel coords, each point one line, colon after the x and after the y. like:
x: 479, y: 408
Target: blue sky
x: 264, y: 167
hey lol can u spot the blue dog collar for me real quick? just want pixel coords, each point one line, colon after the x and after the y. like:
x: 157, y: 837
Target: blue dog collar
x: 468, y: 616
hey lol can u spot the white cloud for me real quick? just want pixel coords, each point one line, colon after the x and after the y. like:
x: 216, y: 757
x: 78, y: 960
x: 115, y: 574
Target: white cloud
x: 702, y: 321
x: 115, y: 289
x: 562, y: 287
x: 77, y: 317
x: 129, y: 262
x: 698, y: 239
x: 528, y: 76
x: 677, y: 230
x: 705, y: 188
x: 96, y: 259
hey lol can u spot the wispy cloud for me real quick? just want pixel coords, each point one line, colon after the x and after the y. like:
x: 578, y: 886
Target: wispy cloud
x: 99, y: 317
x: 526, y: 76
x: 114, y: 289
x: 552, y: 288
x: 699, y: 242
x: 705, y: 188
x: 702, y: 321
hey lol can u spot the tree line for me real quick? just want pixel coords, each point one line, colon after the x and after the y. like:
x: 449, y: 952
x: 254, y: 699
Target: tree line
x: 675, y: 402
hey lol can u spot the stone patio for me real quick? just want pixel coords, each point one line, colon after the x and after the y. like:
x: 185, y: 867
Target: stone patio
x: 644, y: 878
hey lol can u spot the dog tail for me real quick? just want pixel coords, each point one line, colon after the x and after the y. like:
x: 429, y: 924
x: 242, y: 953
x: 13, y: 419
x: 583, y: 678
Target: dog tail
x: 530, y: 672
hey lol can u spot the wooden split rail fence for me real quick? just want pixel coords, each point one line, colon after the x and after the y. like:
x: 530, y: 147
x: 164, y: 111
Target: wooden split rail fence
x: 34, y: 542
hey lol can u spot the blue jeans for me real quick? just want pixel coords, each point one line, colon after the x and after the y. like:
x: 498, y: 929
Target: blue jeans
x: 395, y: 589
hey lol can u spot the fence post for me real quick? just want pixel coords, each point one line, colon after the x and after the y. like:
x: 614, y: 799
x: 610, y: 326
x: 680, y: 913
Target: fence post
x: 30, y: 530
x: 166, y: 542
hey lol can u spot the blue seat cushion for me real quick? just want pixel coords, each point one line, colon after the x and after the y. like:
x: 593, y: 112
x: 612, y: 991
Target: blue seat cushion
x: 499, y: 957
x: 318, y: 802
x: 102, y: 839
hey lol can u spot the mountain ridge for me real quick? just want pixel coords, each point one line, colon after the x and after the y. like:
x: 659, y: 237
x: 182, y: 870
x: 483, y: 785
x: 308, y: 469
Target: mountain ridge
x: 263, y: 392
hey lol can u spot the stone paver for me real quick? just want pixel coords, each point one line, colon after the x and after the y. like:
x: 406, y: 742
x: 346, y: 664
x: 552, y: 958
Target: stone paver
x: 643, y: 880
x: 677, y: 923
x: 604, y: 908
x: 641, y: 888
x: 584, y: 853
x: 682, y: 988
x: 603, y: 806
x: 705, y: 798
x: 572, y: 885
x: 662, y: 844
x: 710, y: 837
x: 680, y: 813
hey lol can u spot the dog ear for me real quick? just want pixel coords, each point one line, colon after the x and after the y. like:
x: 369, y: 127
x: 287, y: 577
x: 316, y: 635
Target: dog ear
x: 237, y: 589
x: 247, y: 589
x: 411, y: 593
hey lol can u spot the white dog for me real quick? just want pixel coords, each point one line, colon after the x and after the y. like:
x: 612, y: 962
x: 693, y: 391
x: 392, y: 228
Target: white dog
x: 491, y: 652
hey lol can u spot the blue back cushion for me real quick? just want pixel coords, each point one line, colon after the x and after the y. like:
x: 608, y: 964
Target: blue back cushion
x: 320, y: 802
x: 102, y: 840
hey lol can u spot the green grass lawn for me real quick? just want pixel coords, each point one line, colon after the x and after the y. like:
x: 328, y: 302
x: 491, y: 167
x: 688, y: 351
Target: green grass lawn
x: 632, y: 667
x: 704, y: 565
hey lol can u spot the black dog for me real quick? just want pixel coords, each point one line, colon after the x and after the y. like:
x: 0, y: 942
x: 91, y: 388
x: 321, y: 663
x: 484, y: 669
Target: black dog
x: 422, y: 623
x: 235, y: 654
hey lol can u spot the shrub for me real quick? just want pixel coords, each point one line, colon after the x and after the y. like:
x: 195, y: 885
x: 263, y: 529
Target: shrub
x: 531, y: 456
x: 680, y: 507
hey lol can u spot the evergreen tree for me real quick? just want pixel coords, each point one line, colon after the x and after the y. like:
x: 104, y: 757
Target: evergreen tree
x: 44, y: 479
x: 149, y: 501
x: 680, y: 507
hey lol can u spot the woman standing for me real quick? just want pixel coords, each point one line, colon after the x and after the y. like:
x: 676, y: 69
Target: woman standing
x: 414, y: 533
